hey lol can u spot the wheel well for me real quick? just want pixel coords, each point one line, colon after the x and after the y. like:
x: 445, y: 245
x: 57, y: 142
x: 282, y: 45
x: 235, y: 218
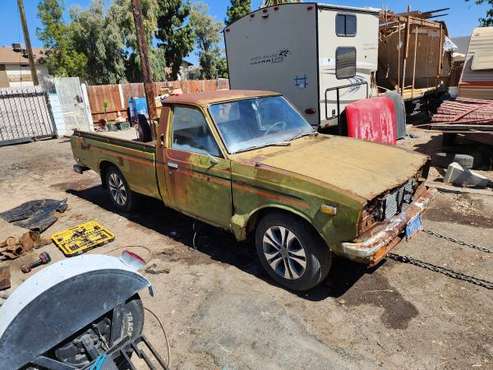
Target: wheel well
x: 257, y: 216
x: 104, y: 166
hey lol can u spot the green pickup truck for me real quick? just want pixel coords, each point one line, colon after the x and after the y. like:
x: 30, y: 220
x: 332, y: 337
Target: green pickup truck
x: 248, y: 162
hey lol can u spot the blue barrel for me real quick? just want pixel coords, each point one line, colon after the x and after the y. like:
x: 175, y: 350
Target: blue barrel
x: 136, y: 106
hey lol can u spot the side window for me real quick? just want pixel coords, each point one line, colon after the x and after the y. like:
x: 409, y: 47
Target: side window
x: 191, y: 133
x: 345, y: 62
x: 346, y: 25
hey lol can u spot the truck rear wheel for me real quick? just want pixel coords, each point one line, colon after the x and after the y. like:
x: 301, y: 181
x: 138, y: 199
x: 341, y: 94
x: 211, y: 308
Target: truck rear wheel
x: 120, y: 194
x: 291, y: 253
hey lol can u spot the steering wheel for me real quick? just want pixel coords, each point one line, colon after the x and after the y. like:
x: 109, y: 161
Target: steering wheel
x: 274, y: 125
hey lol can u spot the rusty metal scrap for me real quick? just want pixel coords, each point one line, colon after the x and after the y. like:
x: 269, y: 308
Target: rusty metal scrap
x: 36, y: 215
x: 465, y: 111
x: 14, y: 247
x: 5, y: 277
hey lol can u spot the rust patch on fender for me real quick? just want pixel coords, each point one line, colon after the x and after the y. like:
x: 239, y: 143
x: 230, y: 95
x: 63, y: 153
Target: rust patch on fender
x: 283, y: 199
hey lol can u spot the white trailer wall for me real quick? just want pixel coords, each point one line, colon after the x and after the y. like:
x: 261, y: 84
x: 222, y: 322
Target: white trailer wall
x: 276, y: 49
x: 365, y: 41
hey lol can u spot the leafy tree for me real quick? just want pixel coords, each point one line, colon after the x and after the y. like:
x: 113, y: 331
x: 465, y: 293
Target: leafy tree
x: 207, y: 36
x: 62, y: 58
x: 236, y: 10
x: 488, y: 19
x: 175, y: 36
x: 121, y: 15
x: 99, y: 38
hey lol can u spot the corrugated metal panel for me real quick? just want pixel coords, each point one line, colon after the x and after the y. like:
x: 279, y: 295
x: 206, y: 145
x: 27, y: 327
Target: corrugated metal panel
x: 56, y: 108
x: 477, y: 77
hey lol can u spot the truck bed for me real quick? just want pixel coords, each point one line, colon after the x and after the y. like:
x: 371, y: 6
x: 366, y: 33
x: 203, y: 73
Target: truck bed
x: 136, y: 160
x: 130, y: 134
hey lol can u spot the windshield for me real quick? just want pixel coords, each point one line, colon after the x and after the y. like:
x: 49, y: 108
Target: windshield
x: 259, y: 122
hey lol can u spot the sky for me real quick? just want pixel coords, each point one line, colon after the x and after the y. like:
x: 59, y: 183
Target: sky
x: 463, y: 16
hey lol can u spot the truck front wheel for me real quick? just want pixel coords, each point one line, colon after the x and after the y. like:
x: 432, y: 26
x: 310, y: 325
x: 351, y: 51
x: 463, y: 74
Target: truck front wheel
x: 120, y: 193
x: 291, y: 252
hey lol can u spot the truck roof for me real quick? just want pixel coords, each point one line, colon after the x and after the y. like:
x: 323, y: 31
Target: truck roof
x: 206, y: 98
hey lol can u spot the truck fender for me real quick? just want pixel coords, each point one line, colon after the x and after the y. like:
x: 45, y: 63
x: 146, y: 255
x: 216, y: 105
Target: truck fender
x: 61, y: 299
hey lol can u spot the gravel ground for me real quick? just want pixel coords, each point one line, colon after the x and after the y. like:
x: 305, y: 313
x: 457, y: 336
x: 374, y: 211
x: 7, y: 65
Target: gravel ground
x: 221, y: 311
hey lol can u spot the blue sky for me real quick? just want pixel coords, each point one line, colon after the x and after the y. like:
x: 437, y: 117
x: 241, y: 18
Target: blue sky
x: 463, y: 16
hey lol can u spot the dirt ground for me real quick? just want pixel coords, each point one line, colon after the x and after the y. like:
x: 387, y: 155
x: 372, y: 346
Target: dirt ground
x: 220, y: 311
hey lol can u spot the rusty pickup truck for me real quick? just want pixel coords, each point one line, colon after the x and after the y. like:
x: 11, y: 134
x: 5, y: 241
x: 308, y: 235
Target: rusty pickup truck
x: 248, y: 162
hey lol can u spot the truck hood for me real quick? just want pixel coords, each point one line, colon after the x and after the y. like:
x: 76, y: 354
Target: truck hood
x: 362, y: 168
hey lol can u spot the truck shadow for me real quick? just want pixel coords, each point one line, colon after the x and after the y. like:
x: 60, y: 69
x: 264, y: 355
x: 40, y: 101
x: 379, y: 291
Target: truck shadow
x: 218, y: 244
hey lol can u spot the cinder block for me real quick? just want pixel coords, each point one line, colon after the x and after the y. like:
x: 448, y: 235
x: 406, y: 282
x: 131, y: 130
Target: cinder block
x: 459, y: 176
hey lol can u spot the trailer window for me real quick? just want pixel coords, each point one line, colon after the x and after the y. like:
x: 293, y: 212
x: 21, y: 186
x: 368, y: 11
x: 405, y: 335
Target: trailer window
x: 345, y: 25
x: 345, y: 62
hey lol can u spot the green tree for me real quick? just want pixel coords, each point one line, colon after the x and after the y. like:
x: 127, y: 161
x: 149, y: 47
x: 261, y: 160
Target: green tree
x: 488, y: 18
x: 121, y: 15
x: 174, y: 34
x: 62, y: 58
x: 207, y: 36
x: 237, y: 9
x: 99, y: 38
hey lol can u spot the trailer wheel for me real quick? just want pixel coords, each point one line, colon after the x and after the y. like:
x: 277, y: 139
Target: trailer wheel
x: 120, y: 193
x: 291, y: 252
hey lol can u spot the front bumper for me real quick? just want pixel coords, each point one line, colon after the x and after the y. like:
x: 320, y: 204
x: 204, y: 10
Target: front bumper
x: 371, y: 247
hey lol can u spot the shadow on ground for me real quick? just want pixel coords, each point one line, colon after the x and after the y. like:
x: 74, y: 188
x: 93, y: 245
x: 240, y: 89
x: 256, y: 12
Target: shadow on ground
x: 218, y: 244
x: 483, y: 154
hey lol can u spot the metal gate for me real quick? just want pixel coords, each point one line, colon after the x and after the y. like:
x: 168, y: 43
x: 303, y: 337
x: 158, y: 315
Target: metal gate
x: 25, y: 115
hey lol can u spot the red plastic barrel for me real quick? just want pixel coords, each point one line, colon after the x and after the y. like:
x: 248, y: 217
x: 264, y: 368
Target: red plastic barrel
x: 373, y: 119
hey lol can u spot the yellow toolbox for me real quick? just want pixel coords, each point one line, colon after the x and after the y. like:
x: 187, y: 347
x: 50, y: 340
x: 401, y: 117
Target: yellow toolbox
x: 81, y: 238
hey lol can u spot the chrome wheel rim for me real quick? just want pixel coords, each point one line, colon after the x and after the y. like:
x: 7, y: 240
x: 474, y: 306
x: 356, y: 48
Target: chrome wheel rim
x: 117, y: 189
x: 284, y: 252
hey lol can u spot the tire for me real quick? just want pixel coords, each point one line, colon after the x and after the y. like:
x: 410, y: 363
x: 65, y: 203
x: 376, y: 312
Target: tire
x: 120, y: 194
x: 299, y: 264
x: 444, y: 159
x: 449, y: 139
x: 133, y: 318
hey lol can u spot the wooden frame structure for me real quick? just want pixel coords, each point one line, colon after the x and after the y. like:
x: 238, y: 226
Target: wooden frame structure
x: 412, y: 59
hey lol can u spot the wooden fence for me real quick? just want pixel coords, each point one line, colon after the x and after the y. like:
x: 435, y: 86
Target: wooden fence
x: 107, y: 100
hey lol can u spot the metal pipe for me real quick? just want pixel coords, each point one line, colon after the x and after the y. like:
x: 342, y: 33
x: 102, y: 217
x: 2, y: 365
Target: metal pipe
x: 27, y: 41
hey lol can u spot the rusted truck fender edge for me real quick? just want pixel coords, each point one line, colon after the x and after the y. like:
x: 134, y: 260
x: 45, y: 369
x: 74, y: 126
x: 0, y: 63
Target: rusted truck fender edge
x: 240, y: 222
x: 376, y: 246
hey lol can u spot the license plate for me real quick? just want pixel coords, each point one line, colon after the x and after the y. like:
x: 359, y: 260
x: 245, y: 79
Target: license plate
x: 413, y: 226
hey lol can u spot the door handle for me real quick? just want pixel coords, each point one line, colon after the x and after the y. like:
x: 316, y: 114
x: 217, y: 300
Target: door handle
x: 173, y: 165
x: 161, y: 139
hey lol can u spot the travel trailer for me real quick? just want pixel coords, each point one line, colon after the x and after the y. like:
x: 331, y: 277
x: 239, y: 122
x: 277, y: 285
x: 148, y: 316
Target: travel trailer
x: 477, y: 76
x: 321, y: 57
